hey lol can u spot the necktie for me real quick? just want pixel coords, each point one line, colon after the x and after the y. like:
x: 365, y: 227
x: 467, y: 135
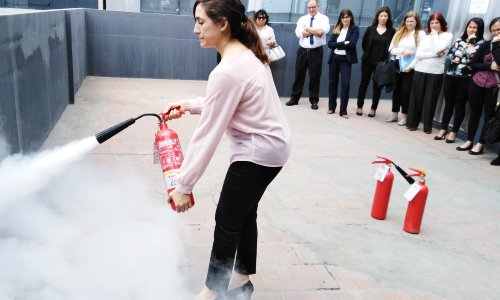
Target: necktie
x: 311, y: 37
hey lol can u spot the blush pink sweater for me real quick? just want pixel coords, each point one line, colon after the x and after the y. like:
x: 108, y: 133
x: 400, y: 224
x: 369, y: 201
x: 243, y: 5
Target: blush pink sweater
x: 241, y: 100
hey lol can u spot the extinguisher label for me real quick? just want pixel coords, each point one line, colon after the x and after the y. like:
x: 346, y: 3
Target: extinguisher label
x: 169, y: 177
x: 381, y: 172
x: 412, y: 191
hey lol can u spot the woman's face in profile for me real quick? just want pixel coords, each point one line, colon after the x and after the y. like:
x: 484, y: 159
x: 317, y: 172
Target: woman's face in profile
x: 209, y: 33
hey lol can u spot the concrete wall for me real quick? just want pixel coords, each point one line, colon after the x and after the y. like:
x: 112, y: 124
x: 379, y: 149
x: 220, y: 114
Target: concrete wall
x: 123, y: 44
x: 44, y: 58
x: 77, y: 49
x: 33, y: 76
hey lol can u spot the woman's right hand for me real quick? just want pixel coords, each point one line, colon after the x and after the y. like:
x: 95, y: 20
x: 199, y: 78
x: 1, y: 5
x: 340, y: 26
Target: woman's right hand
x: 494, y: 66
x: 174, y: 113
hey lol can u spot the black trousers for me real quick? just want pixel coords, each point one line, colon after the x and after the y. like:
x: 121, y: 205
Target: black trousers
x: 339, y: 67
x: 455, y: 96
x: 366, y: 74
x: 401, y: 93
x: 423, y: 99
x: 235, y: 232
x: 311, y: 59
x: 480, y: 100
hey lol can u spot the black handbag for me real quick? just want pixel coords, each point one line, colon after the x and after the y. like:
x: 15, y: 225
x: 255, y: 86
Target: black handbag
x: 492, y: 134
x: 385, y: 74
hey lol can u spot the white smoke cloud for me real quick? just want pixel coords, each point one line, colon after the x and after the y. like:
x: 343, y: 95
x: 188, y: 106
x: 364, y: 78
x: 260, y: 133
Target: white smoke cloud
x: 87, y: 232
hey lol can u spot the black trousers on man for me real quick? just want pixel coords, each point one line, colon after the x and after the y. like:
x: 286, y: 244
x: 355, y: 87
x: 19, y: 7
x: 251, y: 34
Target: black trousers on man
x: 235, y: 232
x: 311, y: 59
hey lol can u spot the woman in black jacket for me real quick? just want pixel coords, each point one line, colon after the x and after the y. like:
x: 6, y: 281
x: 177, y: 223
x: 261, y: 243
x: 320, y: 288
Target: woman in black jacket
x: 483, y: 90
x: 342, y: 56
x: 376, y: 41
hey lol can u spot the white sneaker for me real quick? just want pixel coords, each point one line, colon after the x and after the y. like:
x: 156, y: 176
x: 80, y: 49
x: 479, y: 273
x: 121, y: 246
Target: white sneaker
x: 390, y: 120
x: 402, y: 122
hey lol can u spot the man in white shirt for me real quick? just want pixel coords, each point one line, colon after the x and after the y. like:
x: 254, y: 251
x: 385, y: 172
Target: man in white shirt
x: 311, y: 30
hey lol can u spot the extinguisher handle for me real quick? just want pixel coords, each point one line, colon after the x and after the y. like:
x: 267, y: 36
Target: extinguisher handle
x: 164, y: 115
x: 420, y: 172
x: 384, y: 160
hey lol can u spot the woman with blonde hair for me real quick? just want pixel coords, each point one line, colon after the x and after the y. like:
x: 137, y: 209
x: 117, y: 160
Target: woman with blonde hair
x: 404, y: 45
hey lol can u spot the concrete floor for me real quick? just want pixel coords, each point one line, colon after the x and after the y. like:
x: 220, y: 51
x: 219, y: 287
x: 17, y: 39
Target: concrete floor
x: 317, y: 239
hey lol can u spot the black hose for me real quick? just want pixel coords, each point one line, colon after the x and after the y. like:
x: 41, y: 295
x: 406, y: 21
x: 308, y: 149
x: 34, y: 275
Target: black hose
x: 152, y: 115
x: 112, y: 131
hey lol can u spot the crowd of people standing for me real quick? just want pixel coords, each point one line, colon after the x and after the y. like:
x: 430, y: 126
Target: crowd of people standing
x: 426, y: 62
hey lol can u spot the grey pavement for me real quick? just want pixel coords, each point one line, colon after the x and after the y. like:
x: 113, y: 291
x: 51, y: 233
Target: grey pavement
x: 316, y: 237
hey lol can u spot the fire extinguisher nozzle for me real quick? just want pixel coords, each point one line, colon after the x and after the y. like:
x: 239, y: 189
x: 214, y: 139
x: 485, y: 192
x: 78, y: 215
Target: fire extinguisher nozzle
x: 106, y: 134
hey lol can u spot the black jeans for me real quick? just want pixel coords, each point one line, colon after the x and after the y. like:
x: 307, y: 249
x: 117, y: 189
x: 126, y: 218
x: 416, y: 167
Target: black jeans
x: 481, y: 99
x: 311, y: 59
x: 401, y: 93
x: 236, y: 222
x: 340, y: 65
x: 455, y: 96
x: 366, y: 74
x: 423, y: 99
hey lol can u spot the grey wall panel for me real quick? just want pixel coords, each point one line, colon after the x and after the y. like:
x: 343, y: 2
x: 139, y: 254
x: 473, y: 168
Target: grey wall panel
x: 145, y: 45
x: 8, y: 125
x: 35, y: 47
x: 75, y: 18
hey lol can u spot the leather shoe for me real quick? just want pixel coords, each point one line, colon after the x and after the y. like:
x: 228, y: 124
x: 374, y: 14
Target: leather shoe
x: 476, y: 153
x: 314, y: 106
x: 496, y: 161
x: 464, y: 149
x: 243, y: 292
x: 292, y: 102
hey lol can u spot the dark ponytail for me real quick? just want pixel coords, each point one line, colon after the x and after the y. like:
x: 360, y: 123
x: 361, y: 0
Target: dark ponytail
x: 242, y: 27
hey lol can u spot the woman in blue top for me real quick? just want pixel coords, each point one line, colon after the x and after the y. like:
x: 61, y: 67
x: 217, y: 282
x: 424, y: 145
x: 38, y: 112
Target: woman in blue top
x: 458, y: 77
x: 342, y: 56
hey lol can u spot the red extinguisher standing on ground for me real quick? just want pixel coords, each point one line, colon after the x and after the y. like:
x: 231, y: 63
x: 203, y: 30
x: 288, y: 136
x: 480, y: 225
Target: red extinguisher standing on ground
x: 417, y: 195
x: 385, y: 178
x: 168, y: 147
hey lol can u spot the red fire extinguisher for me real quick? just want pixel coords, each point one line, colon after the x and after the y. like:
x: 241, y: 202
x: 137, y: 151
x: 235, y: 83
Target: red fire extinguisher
x: 382, y: 195
x: 417, y: 195
x: 169, y: 151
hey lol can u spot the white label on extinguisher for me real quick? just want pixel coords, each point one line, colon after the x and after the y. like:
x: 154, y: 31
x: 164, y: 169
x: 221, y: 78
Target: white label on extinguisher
x: 381, y: 172
x: 412, y: 191
x: 169, y: 178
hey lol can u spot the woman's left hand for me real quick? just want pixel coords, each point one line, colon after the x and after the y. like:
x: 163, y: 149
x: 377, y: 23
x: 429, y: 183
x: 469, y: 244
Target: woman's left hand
x: 182, y: 201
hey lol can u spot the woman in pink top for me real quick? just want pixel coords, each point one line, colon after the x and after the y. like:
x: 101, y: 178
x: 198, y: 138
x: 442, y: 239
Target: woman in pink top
x: 240, y: 100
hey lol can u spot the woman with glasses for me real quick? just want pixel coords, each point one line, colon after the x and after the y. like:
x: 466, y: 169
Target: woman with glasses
x: 265, y: 31
x: 342, y: 56
x: 483, y: 90
x: 376, y: 41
